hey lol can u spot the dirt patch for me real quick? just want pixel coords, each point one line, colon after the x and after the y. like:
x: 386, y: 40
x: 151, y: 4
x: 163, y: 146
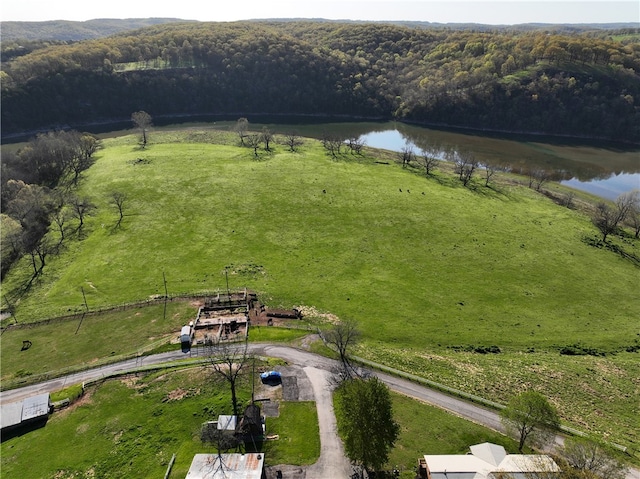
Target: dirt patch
x: 306, y: 342
x: 285, y: 471
x: 312, y: 312
x: 80, y: 401
x: 130, y: 381
x: 178, y: 394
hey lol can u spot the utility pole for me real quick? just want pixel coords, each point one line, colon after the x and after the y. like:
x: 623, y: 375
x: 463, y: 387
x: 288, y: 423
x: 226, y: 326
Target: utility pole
x: 226, y: 275
x: 166, y: 295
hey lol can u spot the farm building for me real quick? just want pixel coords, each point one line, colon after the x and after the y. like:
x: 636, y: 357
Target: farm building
x: 227, y: 466
x: 26, y: 413
x: 486, y: 461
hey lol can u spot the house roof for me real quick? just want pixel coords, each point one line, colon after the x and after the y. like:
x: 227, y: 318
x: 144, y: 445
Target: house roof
x: 226, y: 466
x: 484, y: 460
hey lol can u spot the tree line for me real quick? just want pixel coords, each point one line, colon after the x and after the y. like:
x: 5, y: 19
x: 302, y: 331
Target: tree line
x: 40, y: 209
x: 532, y: 81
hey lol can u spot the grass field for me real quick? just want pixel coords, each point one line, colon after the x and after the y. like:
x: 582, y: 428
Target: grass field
x: 429, y: 269
x: 99, y: 437
x: 132, y: 427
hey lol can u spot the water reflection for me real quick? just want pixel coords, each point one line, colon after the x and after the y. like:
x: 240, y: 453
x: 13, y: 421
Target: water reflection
x: 601, y: 169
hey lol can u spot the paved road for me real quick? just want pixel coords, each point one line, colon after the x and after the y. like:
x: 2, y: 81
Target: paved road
x: 315, y: 366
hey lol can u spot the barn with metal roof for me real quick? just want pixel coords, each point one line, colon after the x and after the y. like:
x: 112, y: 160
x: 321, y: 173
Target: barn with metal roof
x: 227, y: 466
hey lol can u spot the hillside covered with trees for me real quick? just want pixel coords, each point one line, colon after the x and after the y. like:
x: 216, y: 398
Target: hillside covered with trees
x: 539, y: 81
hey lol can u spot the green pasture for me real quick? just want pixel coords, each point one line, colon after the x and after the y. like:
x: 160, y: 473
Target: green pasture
x: 427, y: 267
x: 70, y: 344
x: 350, y: 236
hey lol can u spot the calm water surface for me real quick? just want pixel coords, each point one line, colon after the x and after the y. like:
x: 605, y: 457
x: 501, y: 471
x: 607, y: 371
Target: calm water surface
x: 603, y: 170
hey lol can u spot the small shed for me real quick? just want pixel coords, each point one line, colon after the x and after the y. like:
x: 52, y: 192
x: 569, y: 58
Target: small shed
x: 185, y: 334
x: 227, y: 423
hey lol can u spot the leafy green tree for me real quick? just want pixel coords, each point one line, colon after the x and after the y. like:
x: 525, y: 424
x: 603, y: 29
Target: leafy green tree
x: 10, y: 238
x: 365, y: 422
x: 529, y: 416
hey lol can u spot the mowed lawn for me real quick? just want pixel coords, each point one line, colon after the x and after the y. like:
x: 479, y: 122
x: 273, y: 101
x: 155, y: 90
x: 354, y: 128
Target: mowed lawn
x: 425, y: 266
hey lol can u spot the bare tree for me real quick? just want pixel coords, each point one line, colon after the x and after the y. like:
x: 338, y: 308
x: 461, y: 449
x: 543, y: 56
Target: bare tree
x: 84, y: 146
x: 60, y: 218
x: 332, y: 143
x: 407, y: 154
x: 253, y: 141
x: 489, y: 172
x: 39, y: 250
x: 118, y: 199
x: 537, y: 177
x: 429, y: 162
x: 540, y: 177
x: 586, y: 455
x: 228, y: 360
x: 465, y: 166
x: 356, y: 144
x: 292, y: 140
x: 241, y: 127
x: 343, y: 336
x: 568, y: 199
x: 267, y: 137
x: 83, y: 207
x: 142, y: 121
x: 633, y: 216
x: 607, y: 217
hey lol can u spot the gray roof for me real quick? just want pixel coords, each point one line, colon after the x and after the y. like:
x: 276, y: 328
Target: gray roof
x: 35, y: 407
x: 227, y: 423
x: 10, y: 414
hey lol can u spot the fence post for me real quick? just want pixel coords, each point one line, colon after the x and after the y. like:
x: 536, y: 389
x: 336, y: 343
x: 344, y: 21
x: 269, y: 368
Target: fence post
x: 173, y: 459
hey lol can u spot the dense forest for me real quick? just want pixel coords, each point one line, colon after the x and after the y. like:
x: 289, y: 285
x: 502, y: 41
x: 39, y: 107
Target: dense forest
x: 520, y: 80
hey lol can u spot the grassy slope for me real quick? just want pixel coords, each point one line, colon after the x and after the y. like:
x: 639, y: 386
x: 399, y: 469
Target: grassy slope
x: 421, y: 272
